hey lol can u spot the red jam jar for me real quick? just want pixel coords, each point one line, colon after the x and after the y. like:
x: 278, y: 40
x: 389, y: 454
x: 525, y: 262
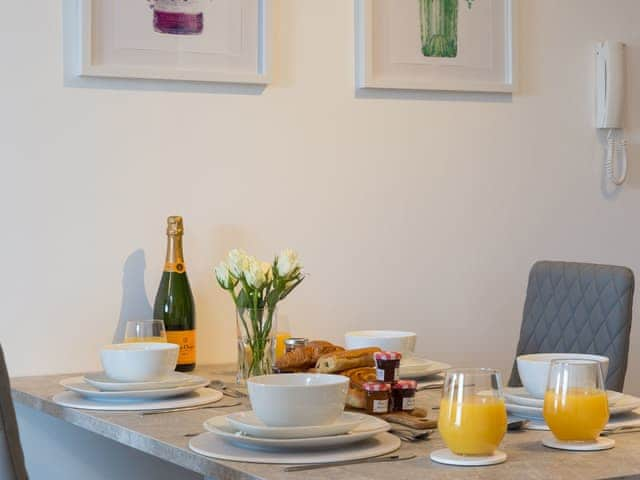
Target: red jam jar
x: 377, y: 397
x: 403, y: 395
x: 387, y: 366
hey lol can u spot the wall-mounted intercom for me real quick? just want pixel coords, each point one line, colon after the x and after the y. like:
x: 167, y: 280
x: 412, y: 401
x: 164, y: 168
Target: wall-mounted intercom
x: 610, y: 87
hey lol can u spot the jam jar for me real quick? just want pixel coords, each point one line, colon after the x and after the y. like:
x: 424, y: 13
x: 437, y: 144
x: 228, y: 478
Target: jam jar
x: 290, y: 344
x: 387, y: 366
x: 404, y: 396
x: 377, y: 397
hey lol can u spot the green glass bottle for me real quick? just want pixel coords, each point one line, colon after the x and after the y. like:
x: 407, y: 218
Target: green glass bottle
x: 174, y: 300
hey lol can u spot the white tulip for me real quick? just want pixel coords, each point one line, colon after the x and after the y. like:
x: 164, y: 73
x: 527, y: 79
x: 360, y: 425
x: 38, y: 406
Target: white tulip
x: 253, y: 274
x: 222, y: 274
x: 287, y: 262
x: 266, y: 269
x: 238, y: 261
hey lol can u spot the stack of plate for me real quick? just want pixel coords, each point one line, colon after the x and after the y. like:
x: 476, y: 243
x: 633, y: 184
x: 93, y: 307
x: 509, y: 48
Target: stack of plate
x: 417, y: 368
x: 522, y: 404
x: 99, y: 392
x: 242, y: 436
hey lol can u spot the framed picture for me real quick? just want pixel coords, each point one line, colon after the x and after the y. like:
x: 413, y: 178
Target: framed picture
x: 454, y: 45
x: 196, y: 40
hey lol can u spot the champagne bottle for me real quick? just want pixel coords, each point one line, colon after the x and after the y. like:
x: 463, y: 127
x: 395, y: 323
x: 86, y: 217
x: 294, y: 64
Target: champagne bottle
x: 174, y: 301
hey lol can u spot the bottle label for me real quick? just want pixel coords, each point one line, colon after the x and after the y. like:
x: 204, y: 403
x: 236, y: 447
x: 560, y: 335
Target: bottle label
x: 380, y: 406
x: 186, y: 340
x: 408, y: 403
x: 177, y: 267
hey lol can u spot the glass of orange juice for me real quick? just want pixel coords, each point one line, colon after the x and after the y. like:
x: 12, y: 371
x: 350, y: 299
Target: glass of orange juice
x: 280, y: 345
x: 575, y: 403
x: 145, y: 331
x: 473, y: 417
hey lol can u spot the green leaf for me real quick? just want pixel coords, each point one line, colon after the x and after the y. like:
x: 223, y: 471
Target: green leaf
x: 273, y: 297
x: 244, y: 300
x: 290, y: 288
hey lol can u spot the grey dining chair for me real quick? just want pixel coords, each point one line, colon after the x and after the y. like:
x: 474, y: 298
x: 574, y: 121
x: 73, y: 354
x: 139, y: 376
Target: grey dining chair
x: 578, y: 308
x: 12, y: 465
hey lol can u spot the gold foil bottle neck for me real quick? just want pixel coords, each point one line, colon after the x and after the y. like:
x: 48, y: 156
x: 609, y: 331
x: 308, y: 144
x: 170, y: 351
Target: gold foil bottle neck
x: 174, y: 226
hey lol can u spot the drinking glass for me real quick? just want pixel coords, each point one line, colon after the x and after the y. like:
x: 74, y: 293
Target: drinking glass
x: 145, y: 331
x: 575, y: 403
x: 473, y: 416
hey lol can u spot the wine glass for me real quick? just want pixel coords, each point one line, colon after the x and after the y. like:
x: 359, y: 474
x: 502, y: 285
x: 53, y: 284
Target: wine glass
x: 145, y: 331
x: 473, y: 416
x: 576, y: 407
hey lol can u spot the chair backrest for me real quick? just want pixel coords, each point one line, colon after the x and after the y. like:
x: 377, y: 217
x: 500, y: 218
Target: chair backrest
x: 11, y: 457
x: 578, y: 308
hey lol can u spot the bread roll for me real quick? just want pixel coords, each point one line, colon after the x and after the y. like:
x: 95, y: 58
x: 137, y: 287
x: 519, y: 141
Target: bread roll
x: 356, y: 398
x: 303, y: 358
x: 339, y: 361
x: 358, y: 376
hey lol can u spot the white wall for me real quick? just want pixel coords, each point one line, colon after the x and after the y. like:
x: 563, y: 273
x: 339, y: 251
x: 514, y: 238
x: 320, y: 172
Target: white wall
x: 416, y: 211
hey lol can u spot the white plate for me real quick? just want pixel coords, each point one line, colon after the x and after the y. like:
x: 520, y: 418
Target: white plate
x: 622, y: 404
x: 370, y: 427
x: 193, y: 399
x: 524, y: 411
x: 414, y: 367
x: 78, y: 385
x: 107, y: 384
x: 211, y: 445
x: 520, y: 396
x: 250, y: 424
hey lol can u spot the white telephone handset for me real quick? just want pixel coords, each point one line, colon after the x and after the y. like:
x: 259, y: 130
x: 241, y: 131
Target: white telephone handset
x: 610, y: 85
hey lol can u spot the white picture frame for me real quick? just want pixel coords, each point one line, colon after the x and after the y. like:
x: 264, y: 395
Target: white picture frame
x: 370, y: 64
x: 91, y: 66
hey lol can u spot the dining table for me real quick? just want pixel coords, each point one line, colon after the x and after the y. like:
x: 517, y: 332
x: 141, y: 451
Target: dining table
x: 166, y: 436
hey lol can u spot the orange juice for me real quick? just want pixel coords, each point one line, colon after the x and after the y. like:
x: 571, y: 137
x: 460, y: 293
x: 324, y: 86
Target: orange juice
x: 280, y: 346
x: 473, y: 427
x: 579, y: 415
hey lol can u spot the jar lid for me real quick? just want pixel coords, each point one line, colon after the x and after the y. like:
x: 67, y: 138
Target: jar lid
x: 375, y: 387
x: 405, y: 385
x: 387, y: 355
x: 296, y: 341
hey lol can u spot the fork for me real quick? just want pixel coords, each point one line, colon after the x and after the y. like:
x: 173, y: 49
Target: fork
x: 230, y: 392
x: 627, y: 429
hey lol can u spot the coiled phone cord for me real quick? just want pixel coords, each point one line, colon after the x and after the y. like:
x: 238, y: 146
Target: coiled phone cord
x: 616, y: 147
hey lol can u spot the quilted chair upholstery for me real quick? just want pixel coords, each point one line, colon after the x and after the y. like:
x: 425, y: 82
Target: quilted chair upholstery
x: 578, y: 308
x: 11, y: 457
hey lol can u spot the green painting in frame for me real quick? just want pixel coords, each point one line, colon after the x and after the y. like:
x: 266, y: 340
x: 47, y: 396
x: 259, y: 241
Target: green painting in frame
x: 452, y: 45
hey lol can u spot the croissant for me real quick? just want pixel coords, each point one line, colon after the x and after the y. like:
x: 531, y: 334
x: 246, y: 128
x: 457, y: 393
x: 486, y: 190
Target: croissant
x: 303, y: 358
x: 337, y: 362
x: 360, y: 376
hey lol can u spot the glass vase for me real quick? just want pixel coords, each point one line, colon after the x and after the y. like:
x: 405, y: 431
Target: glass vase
x: 256, y: 331
x: 439, y: 27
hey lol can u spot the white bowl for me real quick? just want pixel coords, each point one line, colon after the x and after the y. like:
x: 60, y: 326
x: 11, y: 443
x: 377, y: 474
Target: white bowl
x: 387, y: 340
x: 534, y: 368
x: 139, y: 362
x: 298, y: 399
